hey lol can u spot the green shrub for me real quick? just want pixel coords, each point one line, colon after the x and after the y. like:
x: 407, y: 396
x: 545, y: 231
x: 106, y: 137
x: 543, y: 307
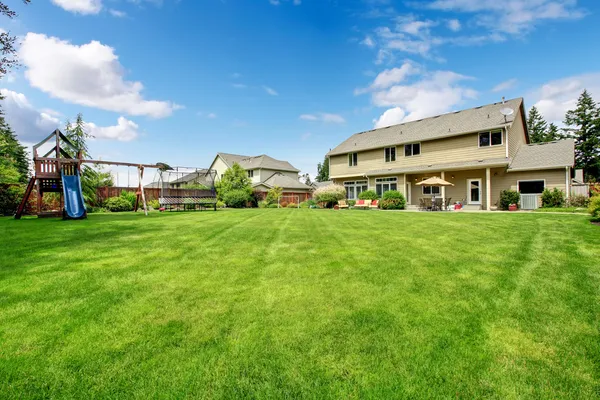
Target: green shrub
x: 594, y: 207
x: 330, y: 194
x: 368, y: 195
x: 118, y: 204
x: 351, y: 203
x: 553, y: 198
x: 155, y: 204
x: 392, y: 200
x: 272, y: 206
x: 263, y: 204
x: 304, y: 204
x: 578, y: 200
x: 292, y: 205
x: 220, y: 204
x: 236, y: 198
x: 311, y: 202
x: 10, y: 197
x: 130, y: 197
x: 273, y: 195
x: 97, y: 210
x: 508, y: 197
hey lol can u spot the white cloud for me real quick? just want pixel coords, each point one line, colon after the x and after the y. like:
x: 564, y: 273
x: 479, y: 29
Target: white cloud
x: 124, y: 131
x: 305, y: 136
x: 89, y: 75
x: 506, y: 85
x: 454, y: 25
x: 84, y: 7
x: 270, y: 91
x: 31, y: 125
x: 393, y: 116
x: 512, y: 16
x: 368, y: 41
x: 239, y: 85
x: 117, y: 13
x: 555, y: 98
x: 432, y: 93
x: 209, y: 115
x: 324, y: 117
x: 236, y: 75
x: 391, y: 77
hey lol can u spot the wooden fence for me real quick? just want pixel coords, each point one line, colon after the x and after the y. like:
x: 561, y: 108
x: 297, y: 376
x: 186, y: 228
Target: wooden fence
x: 106, y: 192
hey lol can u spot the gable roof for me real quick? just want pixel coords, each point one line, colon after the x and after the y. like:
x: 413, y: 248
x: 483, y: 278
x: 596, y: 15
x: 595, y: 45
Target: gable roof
x: 557, y: 154
x: 451, y: 124
x: 284, y: 182
x: 254, y: 162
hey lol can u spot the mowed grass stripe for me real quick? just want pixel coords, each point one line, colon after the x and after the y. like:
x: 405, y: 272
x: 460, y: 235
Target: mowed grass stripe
x: 300, y: 303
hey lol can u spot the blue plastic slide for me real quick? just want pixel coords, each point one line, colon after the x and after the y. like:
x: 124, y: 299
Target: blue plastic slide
x: 74, y: 204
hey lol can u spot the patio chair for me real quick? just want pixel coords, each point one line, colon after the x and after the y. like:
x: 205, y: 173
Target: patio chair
x: 427, y: 204
x: 422, y: 204
x: 447, y: 203
x: 374, y: 204
x: 342, y: 204
x: 438, y: 204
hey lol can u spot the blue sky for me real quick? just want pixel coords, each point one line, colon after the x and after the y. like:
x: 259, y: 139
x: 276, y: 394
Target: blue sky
x: 178, y: 81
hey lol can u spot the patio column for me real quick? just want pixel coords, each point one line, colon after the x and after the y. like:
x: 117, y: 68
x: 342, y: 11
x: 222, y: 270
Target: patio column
x: 443, y: 176
x: 488, y: 189
x: 404, y: 189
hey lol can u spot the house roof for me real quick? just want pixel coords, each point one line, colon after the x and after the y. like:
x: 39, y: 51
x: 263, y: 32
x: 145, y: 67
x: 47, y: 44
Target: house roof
x: 445, y: 125
x: 491, y: 162
x: 254, y: 162
x: 321, y: 184
x: 284, y: 182
x: 557, y: 154
x: 200, y: 174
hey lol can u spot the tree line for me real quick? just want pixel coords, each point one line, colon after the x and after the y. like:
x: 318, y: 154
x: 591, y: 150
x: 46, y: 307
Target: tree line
x: 581, y: 124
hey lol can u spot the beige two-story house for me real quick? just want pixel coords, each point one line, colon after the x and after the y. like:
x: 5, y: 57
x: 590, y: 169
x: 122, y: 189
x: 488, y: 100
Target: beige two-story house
x: 265, y: 173
x: 482, y: 151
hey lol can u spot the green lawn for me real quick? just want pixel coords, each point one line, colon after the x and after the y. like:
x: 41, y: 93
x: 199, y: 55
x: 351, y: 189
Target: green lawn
x: 301, y: 304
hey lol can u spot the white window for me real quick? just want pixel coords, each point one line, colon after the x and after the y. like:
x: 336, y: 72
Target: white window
x: 352, y: 159
x: 250, y: 173
x: 430, y: 190
x: 383, y: 185
x: 390, y: 154
x: 493, y: 138
x: 413, y: 149
x: 354, y: 188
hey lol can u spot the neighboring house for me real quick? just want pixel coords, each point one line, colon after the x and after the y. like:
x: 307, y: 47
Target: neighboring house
x: 265, y: 172
x: 479, y: 150
x: 317, y: 185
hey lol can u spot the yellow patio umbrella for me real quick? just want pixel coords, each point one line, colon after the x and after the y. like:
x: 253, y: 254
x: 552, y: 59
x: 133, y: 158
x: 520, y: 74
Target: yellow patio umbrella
x: 434, y: 181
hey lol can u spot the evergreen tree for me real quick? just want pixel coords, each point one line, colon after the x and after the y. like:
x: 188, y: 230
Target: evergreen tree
x: 583, y: 124
x: 537, y: 126
x: 307, y: 180
x: 323, y: 171
x: 552, y: 133
x: 12, y: 153
x: 78, y: 135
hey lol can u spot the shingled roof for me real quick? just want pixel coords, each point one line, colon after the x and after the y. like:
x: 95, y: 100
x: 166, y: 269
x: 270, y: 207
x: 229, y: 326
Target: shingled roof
x: 557, y: 154
x: 284, y: 181
x: 452, y: 124
x: 254, y: 162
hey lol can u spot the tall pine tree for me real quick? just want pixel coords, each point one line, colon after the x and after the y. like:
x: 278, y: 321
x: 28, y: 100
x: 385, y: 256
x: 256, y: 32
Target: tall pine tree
x: 78, y: 135
x: 553, y: 133
x: 537, y: 126
x: 12, y: 153
x: 583, y: 124
x: 323, y: 171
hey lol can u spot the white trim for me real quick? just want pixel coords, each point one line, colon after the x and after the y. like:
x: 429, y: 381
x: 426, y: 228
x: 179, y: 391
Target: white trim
x: 530, y: 180
x: 488, y: 188
x: 567, y: 181
x: 490, y: 136
x: 443, y: 176
x: 506, y: 130
x: 469, y: 201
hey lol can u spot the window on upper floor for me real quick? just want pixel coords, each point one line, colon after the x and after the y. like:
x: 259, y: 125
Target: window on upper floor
x: 352, y: 159
x: 413, y: 149
x: 487, y: 139
x: 390, y: 154
x: 250, y: 173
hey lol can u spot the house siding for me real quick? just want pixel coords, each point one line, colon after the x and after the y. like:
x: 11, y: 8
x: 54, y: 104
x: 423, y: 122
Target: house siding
x: 447, y: 150
x: 263, y: 174
x: 502, y: 180
x: 516, y: 135
x: 219, y: 166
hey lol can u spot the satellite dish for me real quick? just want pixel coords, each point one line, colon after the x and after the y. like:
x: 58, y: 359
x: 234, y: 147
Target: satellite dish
x: 507, y: 112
